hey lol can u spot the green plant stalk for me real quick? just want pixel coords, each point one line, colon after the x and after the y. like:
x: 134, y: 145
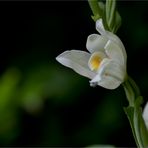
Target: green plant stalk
x: 134, y: 113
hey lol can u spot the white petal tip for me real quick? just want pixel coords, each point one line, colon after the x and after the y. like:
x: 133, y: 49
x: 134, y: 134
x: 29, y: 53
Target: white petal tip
x: 145, y: 114
x: 100, y: 26
x: 93, y: 84
x: 63, y: 58
x: 57, y: 58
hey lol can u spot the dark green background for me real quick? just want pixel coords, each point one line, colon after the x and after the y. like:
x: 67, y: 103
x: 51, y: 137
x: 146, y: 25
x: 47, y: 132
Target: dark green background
x: 43, y: 103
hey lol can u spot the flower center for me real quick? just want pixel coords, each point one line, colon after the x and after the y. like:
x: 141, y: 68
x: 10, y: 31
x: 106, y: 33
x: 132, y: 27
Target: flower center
x: 95, y: 60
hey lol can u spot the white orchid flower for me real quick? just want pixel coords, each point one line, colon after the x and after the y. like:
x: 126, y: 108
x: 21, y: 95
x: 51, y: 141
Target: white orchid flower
x: 145, y: 115
x: 104, y: 64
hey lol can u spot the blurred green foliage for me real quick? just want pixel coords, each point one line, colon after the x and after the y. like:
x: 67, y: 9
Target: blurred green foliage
x: 43, y: 103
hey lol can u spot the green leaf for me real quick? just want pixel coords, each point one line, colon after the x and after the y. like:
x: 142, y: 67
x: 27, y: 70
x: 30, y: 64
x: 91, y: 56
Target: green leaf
x: 102, y: 6
x: 110, y: 12
x: 139, y: 130
x: 117, y: 23
x: 102, y: 11
x: 95, y: 9
x: 130, y: 114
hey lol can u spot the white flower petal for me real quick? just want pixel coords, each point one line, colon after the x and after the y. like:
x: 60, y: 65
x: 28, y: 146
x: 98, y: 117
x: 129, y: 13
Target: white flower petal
x: 110, y: 75
x: 109, y: 82
x: 110, y: 36
x: 111, y: 68
x: 145, y: 115
x: 100, y: 27
x: 78, y: 61
x: 115, y: 52
x: 95, y: 42
x: 114, y: 38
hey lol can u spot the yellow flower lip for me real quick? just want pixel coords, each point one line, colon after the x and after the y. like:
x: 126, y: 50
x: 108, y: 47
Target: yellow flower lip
x: 95, y: 60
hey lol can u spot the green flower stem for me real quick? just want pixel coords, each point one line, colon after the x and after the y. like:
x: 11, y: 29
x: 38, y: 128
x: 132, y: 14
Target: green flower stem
x: 95, y: 9
x: 134, y: 85
x: 134, y: 113
x: 129, y: 92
